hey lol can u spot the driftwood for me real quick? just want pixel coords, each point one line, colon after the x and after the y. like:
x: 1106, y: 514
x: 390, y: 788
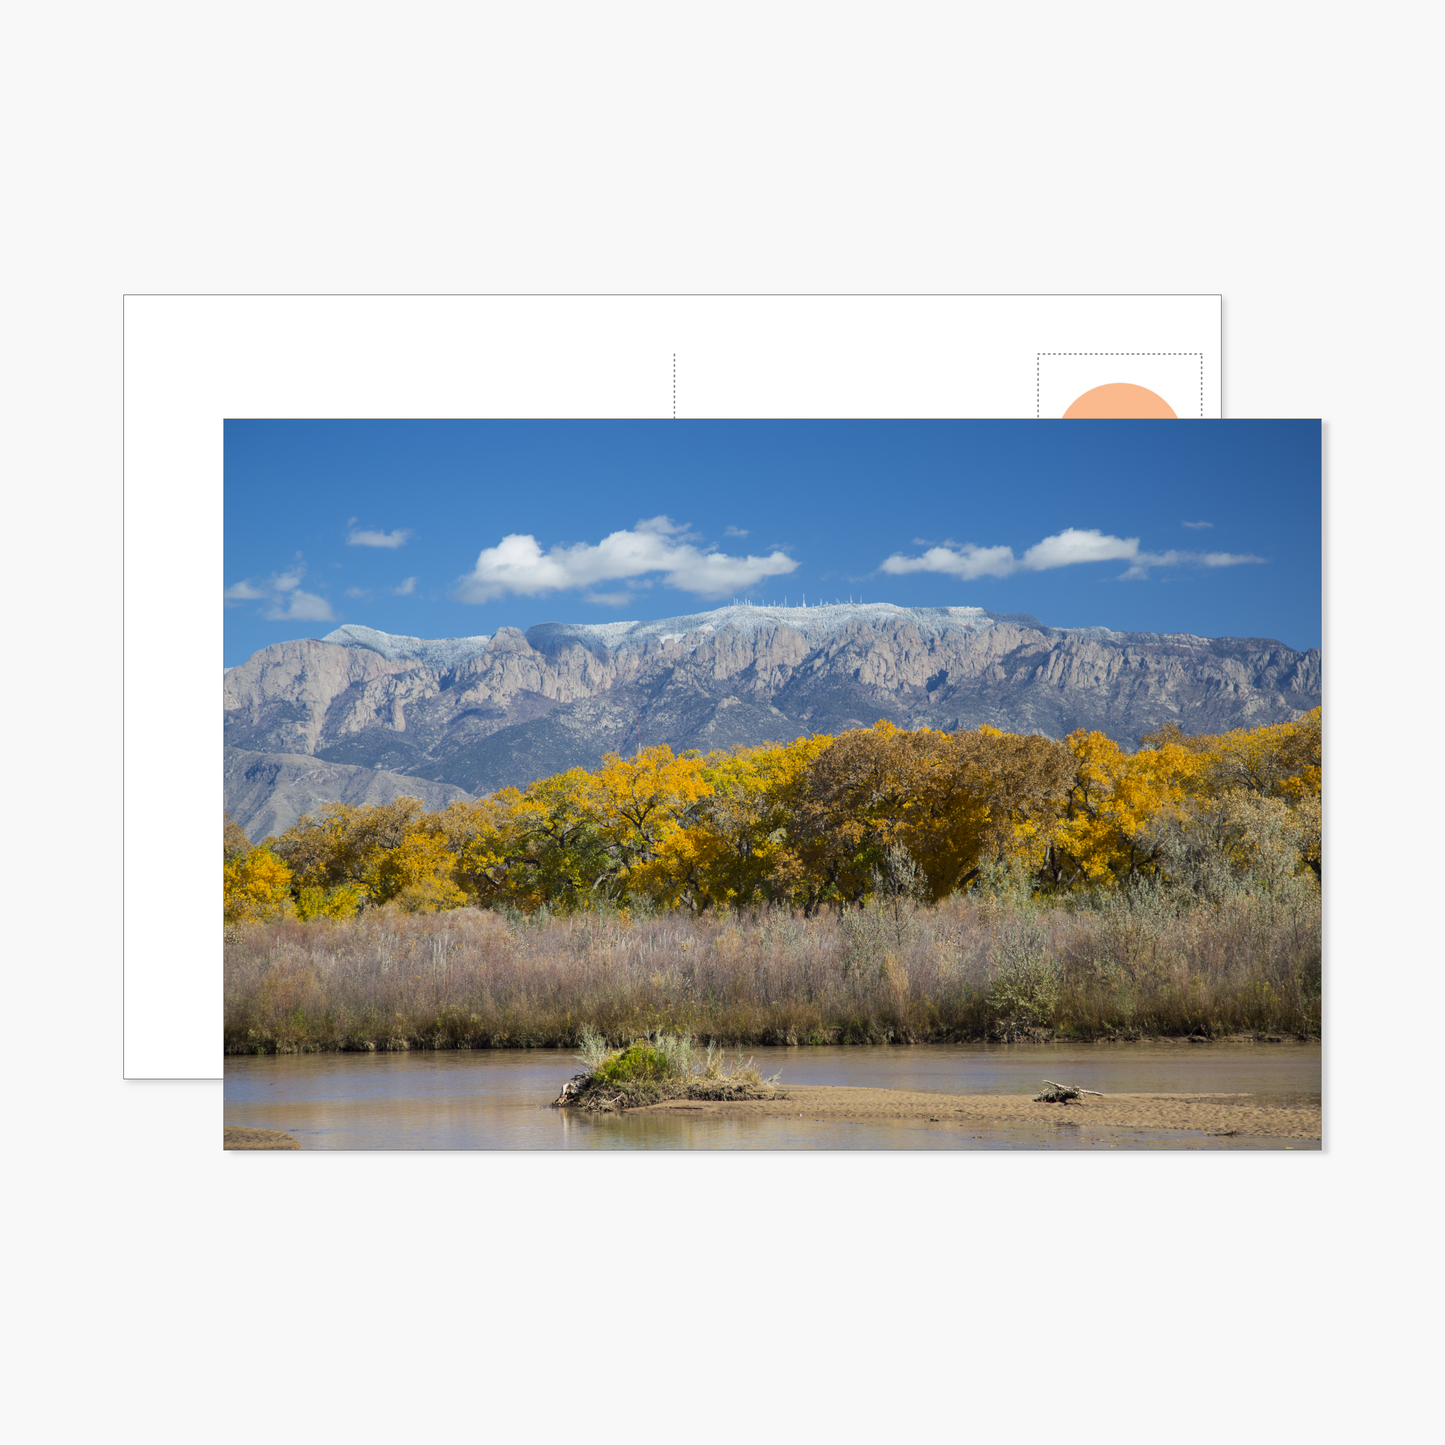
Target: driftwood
x: 1063, y: 1093
x: 595, y: 1102
x: 570, y: 1091
x: 1075, y: 1087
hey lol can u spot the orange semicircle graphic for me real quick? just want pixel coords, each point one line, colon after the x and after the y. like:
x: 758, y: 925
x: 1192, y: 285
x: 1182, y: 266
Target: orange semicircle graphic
x: 1118, y: 400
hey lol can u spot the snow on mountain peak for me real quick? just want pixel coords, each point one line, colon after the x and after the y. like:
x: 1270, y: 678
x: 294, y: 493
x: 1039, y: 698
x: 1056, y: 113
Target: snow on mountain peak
x: 815, y: 623
x: 441, y: 652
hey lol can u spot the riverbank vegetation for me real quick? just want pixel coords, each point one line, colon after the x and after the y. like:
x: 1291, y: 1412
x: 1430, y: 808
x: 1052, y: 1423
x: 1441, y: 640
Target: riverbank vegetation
x: 1128, y: 964
x: 881, y: 885
x: 658, y: 1069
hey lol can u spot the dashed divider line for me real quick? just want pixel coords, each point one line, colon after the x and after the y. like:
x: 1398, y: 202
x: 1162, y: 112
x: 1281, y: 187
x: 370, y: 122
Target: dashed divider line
x: 1039, y: 361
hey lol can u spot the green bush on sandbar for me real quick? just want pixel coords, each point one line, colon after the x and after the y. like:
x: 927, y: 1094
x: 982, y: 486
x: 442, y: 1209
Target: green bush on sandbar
x: 655, y: 1069
x: 638, y: 1064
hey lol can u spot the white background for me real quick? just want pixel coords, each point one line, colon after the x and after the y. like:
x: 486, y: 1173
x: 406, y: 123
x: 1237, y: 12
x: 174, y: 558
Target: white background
x: 1282, y: 155
x: 190, y: 362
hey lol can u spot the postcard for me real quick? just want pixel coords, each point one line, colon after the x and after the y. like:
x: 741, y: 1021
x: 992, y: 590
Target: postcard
x: 772, y: 784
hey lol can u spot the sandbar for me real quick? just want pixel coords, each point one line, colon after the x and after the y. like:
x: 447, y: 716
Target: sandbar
x: 1221, y: 1115
x: 240, y: 1137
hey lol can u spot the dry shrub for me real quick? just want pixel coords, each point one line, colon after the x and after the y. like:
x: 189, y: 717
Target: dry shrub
x: 898, y: 971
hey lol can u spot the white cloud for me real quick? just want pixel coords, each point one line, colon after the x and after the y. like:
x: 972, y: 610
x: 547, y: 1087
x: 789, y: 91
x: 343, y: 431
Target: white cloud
x: 518, y: 565
x: 1228, y: 559
x: 357, y: 592
x: 1145, y: 560
x: 1196, y: 525
x: 299, y: 607
x: 406, y: 588
x: 1063, y: 549
x: 735, y: 531
x: 967, y: 562
x: 378, y: 539
x: 1066, y: 548
x: 285, y: 600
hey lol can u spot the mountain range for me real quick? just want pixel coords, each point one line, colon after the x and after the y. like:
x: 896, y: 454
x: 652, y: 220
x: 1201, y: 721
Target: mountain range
x: 365, y: 716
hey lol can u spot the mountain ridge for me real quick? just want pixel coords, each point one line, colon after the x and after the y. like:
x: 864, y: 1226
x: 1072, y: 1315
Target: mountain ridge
x: 483, y: 712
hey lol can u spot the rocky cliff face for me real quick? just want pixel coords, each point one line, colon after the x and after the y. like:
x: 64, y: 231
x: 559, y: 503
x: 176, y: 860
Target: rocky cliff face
x: 482, y: 712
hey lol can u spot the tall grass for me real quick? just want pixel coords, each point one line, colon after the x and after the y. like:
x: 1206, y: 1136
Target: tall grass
x: 1133, y: 964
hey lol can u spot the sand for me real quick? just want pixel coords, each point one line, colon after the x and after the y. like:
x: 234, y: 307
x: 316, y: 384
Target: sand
x: 1240, y: 1115
x: 239, y: 1137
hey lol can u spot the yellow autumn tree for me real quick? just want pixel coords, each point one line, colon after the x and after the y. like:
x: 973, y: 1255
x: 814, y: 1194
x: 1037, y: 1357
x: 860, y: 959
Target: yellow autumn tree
x: 994, y: 797
x: 258, y: 887
x: 344, y: 901
x: 558, y: 856
x: 416, y: 871
x: 343, y: 844
x: 1282, y: 761
x: 1256, y: 808
x: 821, y: 820
x: 741, y: 849
x: 849, y: 813
x: 491, y: 851
x: 950, y: 801
x: 638, y: 806
x: 1111, y: 808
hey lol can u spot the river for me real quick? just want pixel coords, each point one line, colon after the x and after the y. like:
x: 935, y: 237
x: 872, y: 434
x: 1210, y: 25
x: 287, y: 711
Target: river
x: 497, y: 1098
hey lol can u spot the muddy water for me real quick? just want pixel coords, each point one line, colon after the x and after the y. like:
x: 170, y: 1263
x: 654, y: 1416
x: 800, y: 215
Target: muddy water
x: 496, y: 1099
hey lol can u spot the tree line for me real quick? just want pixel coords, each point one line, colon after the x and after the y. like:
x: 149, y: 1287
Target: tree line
x: 823, y: 821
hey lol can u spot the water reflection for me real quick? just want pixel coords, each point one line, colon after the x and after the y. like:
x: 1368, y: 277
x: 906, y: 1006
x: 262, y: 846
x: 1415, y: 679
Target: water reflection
x: 496, y: 1099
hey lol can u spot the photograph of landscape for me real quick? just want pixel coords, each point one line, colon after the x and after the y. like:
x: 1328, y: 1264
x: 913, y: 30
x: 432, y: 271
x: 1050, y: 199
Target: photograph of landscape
x: 773, y: 785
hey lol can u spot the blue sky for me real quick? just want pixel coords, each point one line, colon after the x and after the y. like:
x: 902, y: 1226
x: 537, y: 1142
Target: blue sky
x: 453, y: 528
